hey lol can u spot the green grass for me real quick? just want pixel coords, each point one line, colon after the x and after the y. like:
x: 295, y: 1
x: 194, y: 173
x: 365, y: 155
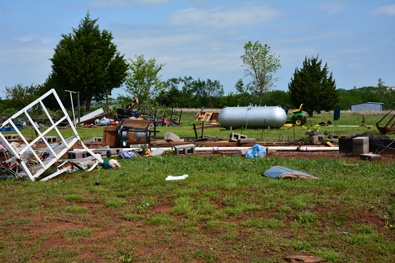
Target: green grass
x: 115, y: 202
x: 86, y: 232
x: 306, y: 217
x: 76, y: 209
x: 202, y: 215
x: 161, y: 219
x: 17, y: 221
x: 263, y: 223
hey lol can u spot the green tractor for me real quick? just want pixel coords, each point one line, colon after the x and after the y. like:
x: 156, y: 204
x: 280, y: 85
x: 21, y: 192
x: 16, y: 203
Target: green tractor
x: 298, y: 116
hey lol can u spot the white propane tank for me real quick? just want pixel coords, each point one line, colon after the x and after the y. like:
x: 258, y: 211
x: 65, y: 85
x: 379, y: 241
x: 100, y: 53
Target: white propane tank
x: 252, y: 117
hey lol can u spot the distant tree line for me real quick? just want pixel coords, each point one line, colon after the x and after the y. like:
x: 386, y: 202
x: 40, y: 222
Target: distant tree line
x: 187, y: 92
x: 380, y: 93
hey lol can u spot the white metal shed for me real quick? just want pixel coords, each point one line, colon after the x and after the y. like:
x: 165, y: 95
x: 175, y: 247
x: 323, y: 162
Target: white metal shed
x: 367, y: 106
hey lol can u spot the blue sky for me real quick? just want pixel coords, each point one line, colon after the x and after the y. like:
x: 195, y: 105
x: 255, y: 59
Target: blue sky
x: 205, y: 39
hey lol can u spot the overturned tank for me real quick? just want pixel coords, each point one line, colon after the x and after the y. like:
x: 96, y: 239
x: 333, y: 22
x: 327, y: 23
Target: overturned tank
x: 252, y: 117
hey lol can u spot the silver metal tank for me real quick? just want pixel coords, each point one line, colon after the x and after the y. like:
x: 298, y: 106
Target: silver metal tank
x: 252, y: 117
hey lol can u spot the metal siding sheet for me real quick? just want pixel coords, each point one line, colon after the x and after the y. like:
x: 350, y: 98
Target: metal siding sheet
x: 367, y: 107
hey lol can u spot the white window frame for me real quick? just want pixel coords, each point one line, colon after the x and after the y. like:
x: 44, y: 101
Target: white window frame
x: 29, y: 146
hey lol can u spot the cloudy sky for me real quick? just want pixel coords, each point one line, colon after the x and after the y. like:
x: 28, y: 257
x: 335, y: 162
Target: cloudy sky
x: 204, y: 39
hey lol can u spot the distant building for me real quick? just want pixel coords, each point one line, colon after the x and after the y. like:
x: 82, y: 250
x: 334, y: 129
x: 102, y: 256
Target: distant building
x: 367, y: 106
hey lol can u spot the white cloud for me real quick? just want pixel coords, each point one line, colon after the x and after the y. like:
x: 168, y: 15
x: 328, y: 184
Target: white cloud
x: 123, y: 3
x: 155, y: 42
x: 224, y: 16
x: 384, y: 10
x: 332, y: 7
x: 44, y: 41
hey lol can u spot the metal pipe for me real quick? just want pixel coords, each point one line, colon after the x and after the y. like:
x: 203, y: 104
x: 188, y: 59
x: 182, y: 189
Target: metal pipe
x: 79, y: 113
x: 316, y: 149
x: 278, y: 148
x: 108, y: 114
x: 217, y: 149
x: 72, y: 104
x: 283, y: 148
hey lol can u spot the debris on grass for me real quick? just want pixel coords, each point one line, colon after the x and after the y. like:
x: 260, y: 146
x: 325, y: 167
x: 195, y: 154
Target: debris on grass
x: 283, y: 172
x: 370, y: 156
x: 303, y: 258
x: 114, y: 163
x: 256, y: 151
x: 174, y: 178
x: 35, y: 162
x: 106, y: 165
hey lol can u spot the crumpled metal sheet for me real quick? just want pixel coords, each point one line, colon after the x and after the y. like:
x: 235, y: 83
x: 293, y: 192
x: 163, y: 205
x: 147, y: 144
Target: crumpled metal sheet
x: 283, y: 172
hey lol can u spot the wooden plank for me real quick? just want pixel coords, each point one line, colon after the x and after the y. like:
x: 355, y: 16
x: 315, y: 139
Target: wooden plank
x: 199, y: 115
x: 330, y: 144
x: 207, y: 116
x: 163, y: 143
x: 109, y: 134
x: 137, y: 123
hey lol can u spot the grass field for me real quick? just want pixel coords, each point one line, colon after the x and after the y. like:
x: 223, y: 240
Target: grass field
x: 225, y: 211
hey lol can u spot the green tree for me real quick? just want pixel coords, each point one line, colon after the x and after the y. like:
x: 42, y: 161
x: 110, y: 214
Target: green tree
x: 206, y: 90
x: 19, y: 96
x: 87, y: 61
x: 172, y: 95
x: 143, y: 81
x: 247, y: 91
x: 348, y: 97
x: 311, y: 86
x: 384, y: 94
x: 276, y: 97
x: 260, y: 65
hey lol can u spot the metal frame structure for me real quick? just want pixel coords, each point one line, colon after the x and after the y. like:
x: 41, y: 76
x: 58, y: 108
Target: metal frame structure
x: 56, y: 151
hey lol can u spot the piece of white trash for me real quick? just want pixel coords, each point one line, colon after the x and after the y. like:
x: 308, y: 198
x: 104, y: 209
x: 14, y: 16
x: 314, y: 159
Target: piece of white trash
x: 173, y: 178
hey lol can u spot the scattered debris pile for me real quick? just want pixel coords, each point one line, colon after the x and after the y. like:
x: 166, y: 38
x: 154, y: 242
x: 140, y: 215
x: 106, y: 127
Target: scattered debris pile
x: 369, y: 146
x: 386, y: 128
x: 21, y: 158
x: 24, y: 159
x: 206, y: 116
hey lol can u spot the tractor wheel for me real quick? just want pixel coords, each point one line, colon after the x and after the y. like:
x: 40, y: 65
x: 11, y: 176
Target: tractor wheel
x: 299, y: 121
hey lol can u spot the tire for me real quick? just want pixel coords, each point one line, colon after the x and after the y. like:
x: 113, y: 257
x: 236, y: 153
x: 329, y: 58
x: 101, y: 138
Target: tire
x: 299, y: 121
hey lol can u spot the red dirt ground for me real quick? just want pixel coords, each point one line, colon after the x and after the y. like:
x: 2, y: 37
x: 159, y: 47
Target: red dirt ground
x: 166, y: 207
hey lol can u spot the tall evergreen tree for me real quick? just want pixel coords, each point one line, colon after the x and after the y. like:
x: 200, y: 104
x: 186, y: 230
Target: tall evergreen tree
x: 87, y: 61
x: 311, y: 86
